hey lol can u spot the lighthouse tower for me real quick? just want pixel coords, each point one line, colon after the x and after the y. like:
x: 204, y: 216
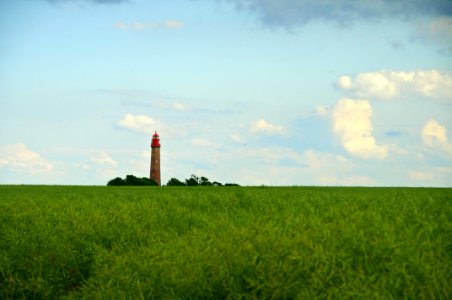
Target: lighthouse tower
x: 155, y: 158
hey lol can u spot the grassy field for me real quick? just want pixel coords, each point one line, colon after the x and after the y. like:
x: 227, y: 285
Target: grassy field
x: 217, y: 242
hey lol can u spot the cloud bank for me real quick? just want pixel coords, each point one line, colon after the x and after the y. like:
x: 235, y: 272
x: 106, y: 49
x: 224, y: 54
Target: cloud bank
x: 18, y: 157
x: 290, y: 13
x: 387, y: 84
x: 352, y: 122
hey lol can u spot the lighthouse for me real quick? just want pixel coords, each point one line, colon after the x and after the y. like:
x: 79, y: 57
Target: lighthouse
x: 155, y: 158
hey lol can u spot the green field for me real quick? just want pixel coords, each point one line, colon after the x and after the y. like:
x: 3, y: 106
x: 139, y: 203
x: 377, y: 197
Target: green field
x: 225, y: 242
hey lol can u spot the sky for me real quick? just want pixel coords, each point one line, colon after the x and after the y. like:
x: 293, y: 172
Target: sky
x: 269, y: 92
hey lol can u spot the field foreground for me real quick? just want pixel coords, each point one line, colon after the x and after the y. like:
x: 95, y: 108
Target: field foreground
x: 225, y: 242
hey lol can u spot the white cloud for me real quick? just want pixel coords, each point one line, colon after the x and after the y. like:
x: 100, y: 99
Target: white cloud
x: 333, y: 169
x: 355, y: 180
x: 262, y: 126
x: 83, y: 166
x: 236, y: 137
x: 344, y: 82
x: 370, y: 85
x: 322, y: 111
x: 120, y: 25
x: 100, y: 165
x: 139, y: 26
x: 140, y: 123
x: 434, y: 135
x: 420, y: 176
x: 352, y: 122
x: 318, y: 160
x: 284, y: 166
x: 177, y: 106
x: 180, y: 106
x: 386, y: 85
x: 274, y: 155
x: 437, y: 176
x: 396, y: 149
x: 106, y: 165
x: 104, y: 159
x: 146, y: 124
x: 19, y: 158
x: 173, y: 24
x: 204, y: 143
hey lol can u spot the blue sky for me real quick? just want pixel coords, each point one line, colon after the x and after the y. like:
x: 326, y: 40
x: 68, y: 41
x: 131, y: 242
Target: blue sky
x: 255, y: 92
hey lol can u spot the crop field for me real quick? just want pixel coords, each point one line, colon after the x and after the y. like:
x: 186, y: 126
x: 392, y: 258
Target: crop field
x: 60, y: 242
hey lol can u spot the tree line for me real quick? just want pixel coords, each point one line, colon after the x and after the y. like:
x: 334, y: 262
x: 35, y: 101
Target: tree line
x: 194, y: 180
x: 132, y: 180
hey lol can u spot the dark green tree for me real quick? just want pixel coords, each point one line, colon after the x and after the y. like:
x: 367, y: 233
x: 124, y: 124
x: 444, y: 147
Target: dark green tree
x: 132, y: 180
x: 148, y: 181
x: 135, y: 181
x: 175, y: 182
x: 204, y: 181
x: 192, y: 181
x: 118, y: 181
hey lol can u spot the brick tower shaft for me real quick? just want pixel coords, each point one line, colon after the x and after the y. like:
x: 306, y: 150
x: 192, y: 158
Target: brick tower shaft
x: 155, y: 159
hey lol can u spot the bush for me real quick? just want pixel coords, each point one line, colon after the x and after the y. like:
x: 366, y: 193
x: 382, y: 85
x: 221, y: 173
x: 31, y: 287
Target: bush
x: 118, y: 181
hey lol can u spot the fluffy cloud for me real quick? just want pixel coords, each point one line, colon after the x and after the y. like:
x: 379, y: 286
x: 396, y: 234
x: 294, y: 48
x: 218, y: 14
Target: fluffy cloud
x: 290, y: 13
x: 138, y: 26
x: 103, y: 159
x: 146, y: 124
x: 262, y: 126
x: 351, y: 120
x: 19, y: 158
x: 434, y: 135
x: 433, y: 84
x: 140, y: 123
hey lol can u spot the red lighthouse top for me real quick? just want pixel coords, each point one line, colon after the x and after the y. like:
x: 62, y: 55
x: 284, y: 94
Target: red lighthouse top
x: 155, y: 140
